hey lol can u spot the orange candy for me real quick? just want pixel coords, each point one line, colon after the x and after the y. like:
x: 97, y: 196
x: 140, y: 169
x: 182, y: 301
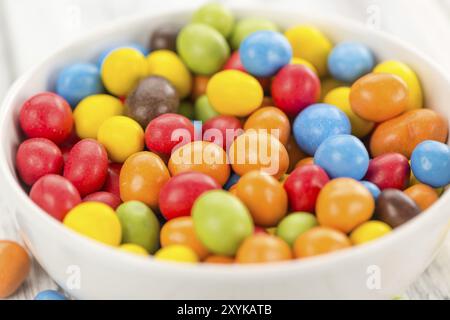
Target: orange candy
x: 219, y: 260
x: 199, y: 86
x: 263, y: 248
x: 201, y: 156
x: 295, y: 153
x: 270, y: 119
x: 344, y: 204
x: 424, y: 196
x: 258, y: 151
x: 379, y: 97
x: 181, y: 231
x: 142, y: 177
x: 403, y: 133
x: 320, y: 240
x: 304, y: 162
x: 14, y: 267
x: 264, y: 196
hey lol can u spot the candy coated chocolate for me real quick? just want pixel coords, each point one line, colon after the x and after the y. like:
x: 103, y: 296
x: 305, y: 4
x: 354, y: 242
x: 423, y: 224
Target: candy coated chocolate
x: 395, y: 208
x: 165, y: 37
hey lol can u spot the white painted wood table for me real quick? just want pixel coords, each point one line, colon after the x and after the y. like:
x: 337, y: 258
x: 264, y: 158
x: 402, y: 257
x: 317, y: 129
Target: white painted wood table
x: 29, y: 30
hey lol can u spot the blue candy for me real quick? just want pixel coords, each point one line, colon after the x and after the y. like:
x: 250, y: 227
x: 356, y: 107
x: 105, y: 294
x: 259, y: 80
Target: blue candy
x: 106, y: 52
x: 50, y: 295
x: 343, y: 156
x: 234, y: 178
x: 263, y: 53
x: 374, y: 190
x: 430, y: 163
x: 79, y: 81
x: 349, y: 61
x: 318, y: 122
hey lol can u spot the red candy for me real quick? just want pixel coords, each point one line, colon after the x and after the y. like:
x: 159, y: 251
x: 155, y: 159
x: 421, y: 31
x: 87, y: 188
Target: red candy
x: 55, y: 195
x: 87, y: 166
x: 112, y: 184
x: 104, y: 197
x: 303, y: 186
x: 36, y: 158
x: 158, y: 136
x: 179, y: 194
x: 47, y: 115
x: 294, y: 88
x: 389, y: 171
x: 222, y: 123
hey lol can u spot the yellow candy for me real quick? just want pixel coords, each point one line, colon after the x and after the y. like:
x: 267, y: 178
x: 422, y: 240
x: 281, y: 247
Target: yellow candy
x: 369, y: 231
x: 310, y: 44
x: 167, y: 64
x: 177, y: 253
x: 304, y: 63
x: 340, y: 97
x: 134, y: 249
x: 408, y: 75
x: 329, y: 84
x: 121, y: 136
x: 92, y: 111
x: 97, y: 221
x: 122, y: 70
x: 234, y: 93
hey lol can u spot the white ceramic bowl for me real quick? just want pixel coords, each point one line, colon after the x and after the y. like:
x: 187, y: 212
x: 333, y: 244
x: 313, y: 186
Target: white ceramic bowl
x: 87, y: 269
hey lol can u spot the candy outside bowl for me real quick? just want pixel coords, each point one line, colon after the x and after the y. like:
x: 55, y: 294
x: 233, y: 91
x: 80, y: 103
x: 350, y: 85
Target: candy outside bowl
x: 90, y: 270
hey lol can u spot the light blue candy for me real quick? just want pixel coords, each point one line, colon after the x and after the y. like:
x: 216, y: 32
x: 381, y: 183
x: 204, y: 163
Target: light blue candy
x: 349, y: 61
x: 50, y: 295
x: 430, y: 163
x: 79, y: 81
x: 263, y: 53
x: 106, y: 52
x: 343, y: 156
x: 318, y: 122
x: 234, y: 178
x: 372, y: 187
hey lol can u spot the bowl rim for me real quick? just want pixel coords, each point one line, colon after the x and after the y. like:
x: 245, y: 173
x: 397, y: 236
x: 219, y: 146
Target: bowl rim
x: 322, y: 262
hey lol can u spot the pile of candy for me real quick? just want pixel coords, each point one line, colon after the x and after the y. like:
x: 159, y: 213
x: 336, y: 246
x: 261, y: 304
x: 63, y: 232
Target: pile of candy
x: 213, y: 145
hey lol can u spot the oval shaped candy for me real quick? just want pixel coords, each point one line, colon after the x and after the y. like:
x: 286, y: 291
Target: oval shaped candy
x: 14, y: 266
x: 263, y: 248
x: 395, y: 208
x: 389, y: 171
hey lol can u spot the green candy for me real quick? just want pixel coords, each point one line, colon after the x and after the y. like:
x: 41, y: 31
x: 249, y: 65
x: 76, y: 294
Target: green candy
x: 203, y: 109
x: 217, y: 16
x: 221, y: 222
x: 139, y: 225
x: 295, y: 224
x: 202, y: 48
x: 245, y: 27
x: 186, y: 109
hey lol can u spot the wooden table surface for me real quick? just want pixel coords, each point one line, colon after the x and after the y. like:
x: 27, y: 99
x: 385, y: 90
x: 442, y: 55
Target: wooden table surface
x: 29, y: 30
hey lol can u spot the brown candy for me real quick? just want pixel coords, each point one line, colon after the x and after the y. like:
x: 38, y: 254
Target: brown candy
x: 395, y: 208
x: 403, y: 133
x: 165, y: 38
x: 152, y: 97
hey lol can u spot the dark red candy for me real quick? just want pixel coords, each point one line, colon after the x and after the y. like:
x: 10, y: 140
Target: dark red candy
x: 104, y: 197
x: 47, y: 115
x: 303, y: 186
x: 390, y: 170
x: 56, y: 195
x: 36, y: 158
x: 112, y: 184
x: 395, y: 208
x: 167, y: 132
x: 294, y: 88
x: 227, y: 128
x: 87, y: 166
x: 179, y: 194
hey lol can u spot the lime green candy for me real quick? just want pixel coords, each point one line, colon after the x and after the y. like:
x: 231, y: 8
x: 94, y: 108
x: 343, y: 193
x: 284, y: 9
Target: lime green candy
x: 202, y: 48
x: 217, y: 16
x: 245, y: 27
x: 221, y: 222
x: 139, y: 225
x: 295, y: 224
x: 186, y: 109
x: 204, y: 110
